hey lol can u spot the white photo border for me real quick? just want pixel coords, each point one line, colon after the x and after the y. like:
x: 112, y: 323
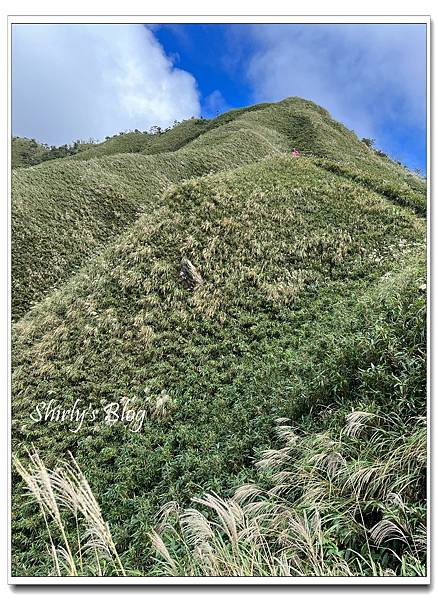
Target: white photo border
x: 225, y: 19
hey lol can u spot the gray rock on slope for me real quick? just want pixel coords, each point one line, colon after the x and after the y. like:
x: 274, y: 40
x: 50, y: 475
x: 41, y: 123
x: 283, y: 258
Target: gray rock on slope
x: 190, y: 276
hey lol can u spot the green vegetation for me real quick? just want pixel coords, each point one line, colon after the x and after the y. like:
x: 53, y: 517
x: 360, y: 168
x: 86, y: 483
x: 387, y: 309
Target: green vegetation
x: 65, y: 211
x: 27, y: 153
x: 306, y: 319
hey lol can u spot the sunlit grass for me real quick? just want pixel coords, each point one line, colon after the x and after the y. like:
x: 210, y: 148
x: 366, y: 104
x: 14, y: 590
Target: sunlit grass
x: 221, y: 286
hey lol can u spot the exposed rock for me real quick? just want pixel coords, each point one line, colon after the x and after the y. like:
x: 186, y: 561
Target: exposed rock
x: 190, y: 276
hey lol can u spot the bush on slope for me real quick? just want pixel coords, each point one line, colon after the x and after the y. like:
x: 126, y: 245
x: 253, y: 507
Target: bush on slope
x: 344, y: 491
x: 27, y: 153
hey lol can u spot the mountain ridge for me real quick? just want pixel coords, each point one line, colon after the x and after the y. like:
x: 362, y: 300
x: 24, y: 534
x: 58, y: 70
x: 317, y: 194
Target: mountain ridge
x: 309, y: 305
x: 36, y: 237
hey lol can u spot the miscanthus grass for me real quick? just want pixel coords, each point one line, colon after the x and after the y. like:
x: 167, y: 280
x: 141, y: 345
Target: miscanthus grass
x: 344, y: 505
x: 90, y: 550
x: 334, y: 508
x: 250, y: 285
x: 65, y: 211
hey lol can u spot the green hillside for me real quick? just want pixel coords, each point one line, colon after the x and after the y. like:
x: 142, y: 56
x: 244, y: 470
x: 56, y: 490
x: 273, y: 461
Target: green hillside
x: 166, y: 140
x: 65, y: 211
x: 28, y: 153
x: 25, y: 152
x: 307, y: 306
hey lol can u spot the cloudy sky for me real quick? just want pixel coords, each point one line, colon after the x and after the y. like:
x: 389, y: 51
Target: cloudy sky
x: 87, y: 81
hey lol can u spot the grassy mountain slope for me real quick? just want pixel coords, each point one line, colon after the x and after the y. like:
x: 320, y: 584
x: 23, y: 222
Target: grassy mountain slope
x: 312, y: 305
x: 65, y: 211
x: 166, y: 141
x: 25, y: 152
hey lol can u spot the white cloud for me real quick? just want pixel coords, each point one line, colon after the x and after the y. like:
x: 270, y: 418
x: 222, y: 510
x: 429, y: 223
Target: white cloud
x: 215, y: 104
x: 365, y: 75
x: 82, y: 81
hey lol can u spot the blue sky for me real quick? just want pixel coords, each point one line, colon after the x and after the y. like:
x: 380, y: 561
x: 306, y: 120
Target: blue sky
x: 82, y: 81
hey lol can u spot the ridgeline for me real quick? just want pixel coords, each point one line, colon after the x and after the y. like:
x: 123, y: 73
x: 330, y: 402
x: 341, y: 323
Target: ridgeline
x: 208, y: 274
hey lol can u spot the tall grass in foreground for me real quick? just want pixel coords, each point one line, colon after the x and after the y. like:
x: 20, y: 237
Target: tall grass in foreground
x: 62, y: 494
x: 333, y: 506
x: 344, y: 506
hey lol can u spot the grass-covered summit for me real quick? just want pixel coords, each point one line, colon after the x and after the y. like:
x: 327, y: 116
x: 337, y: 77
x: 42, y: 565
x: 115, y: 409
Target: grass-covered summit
x: 64, y: 211
x: 308, y: 306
